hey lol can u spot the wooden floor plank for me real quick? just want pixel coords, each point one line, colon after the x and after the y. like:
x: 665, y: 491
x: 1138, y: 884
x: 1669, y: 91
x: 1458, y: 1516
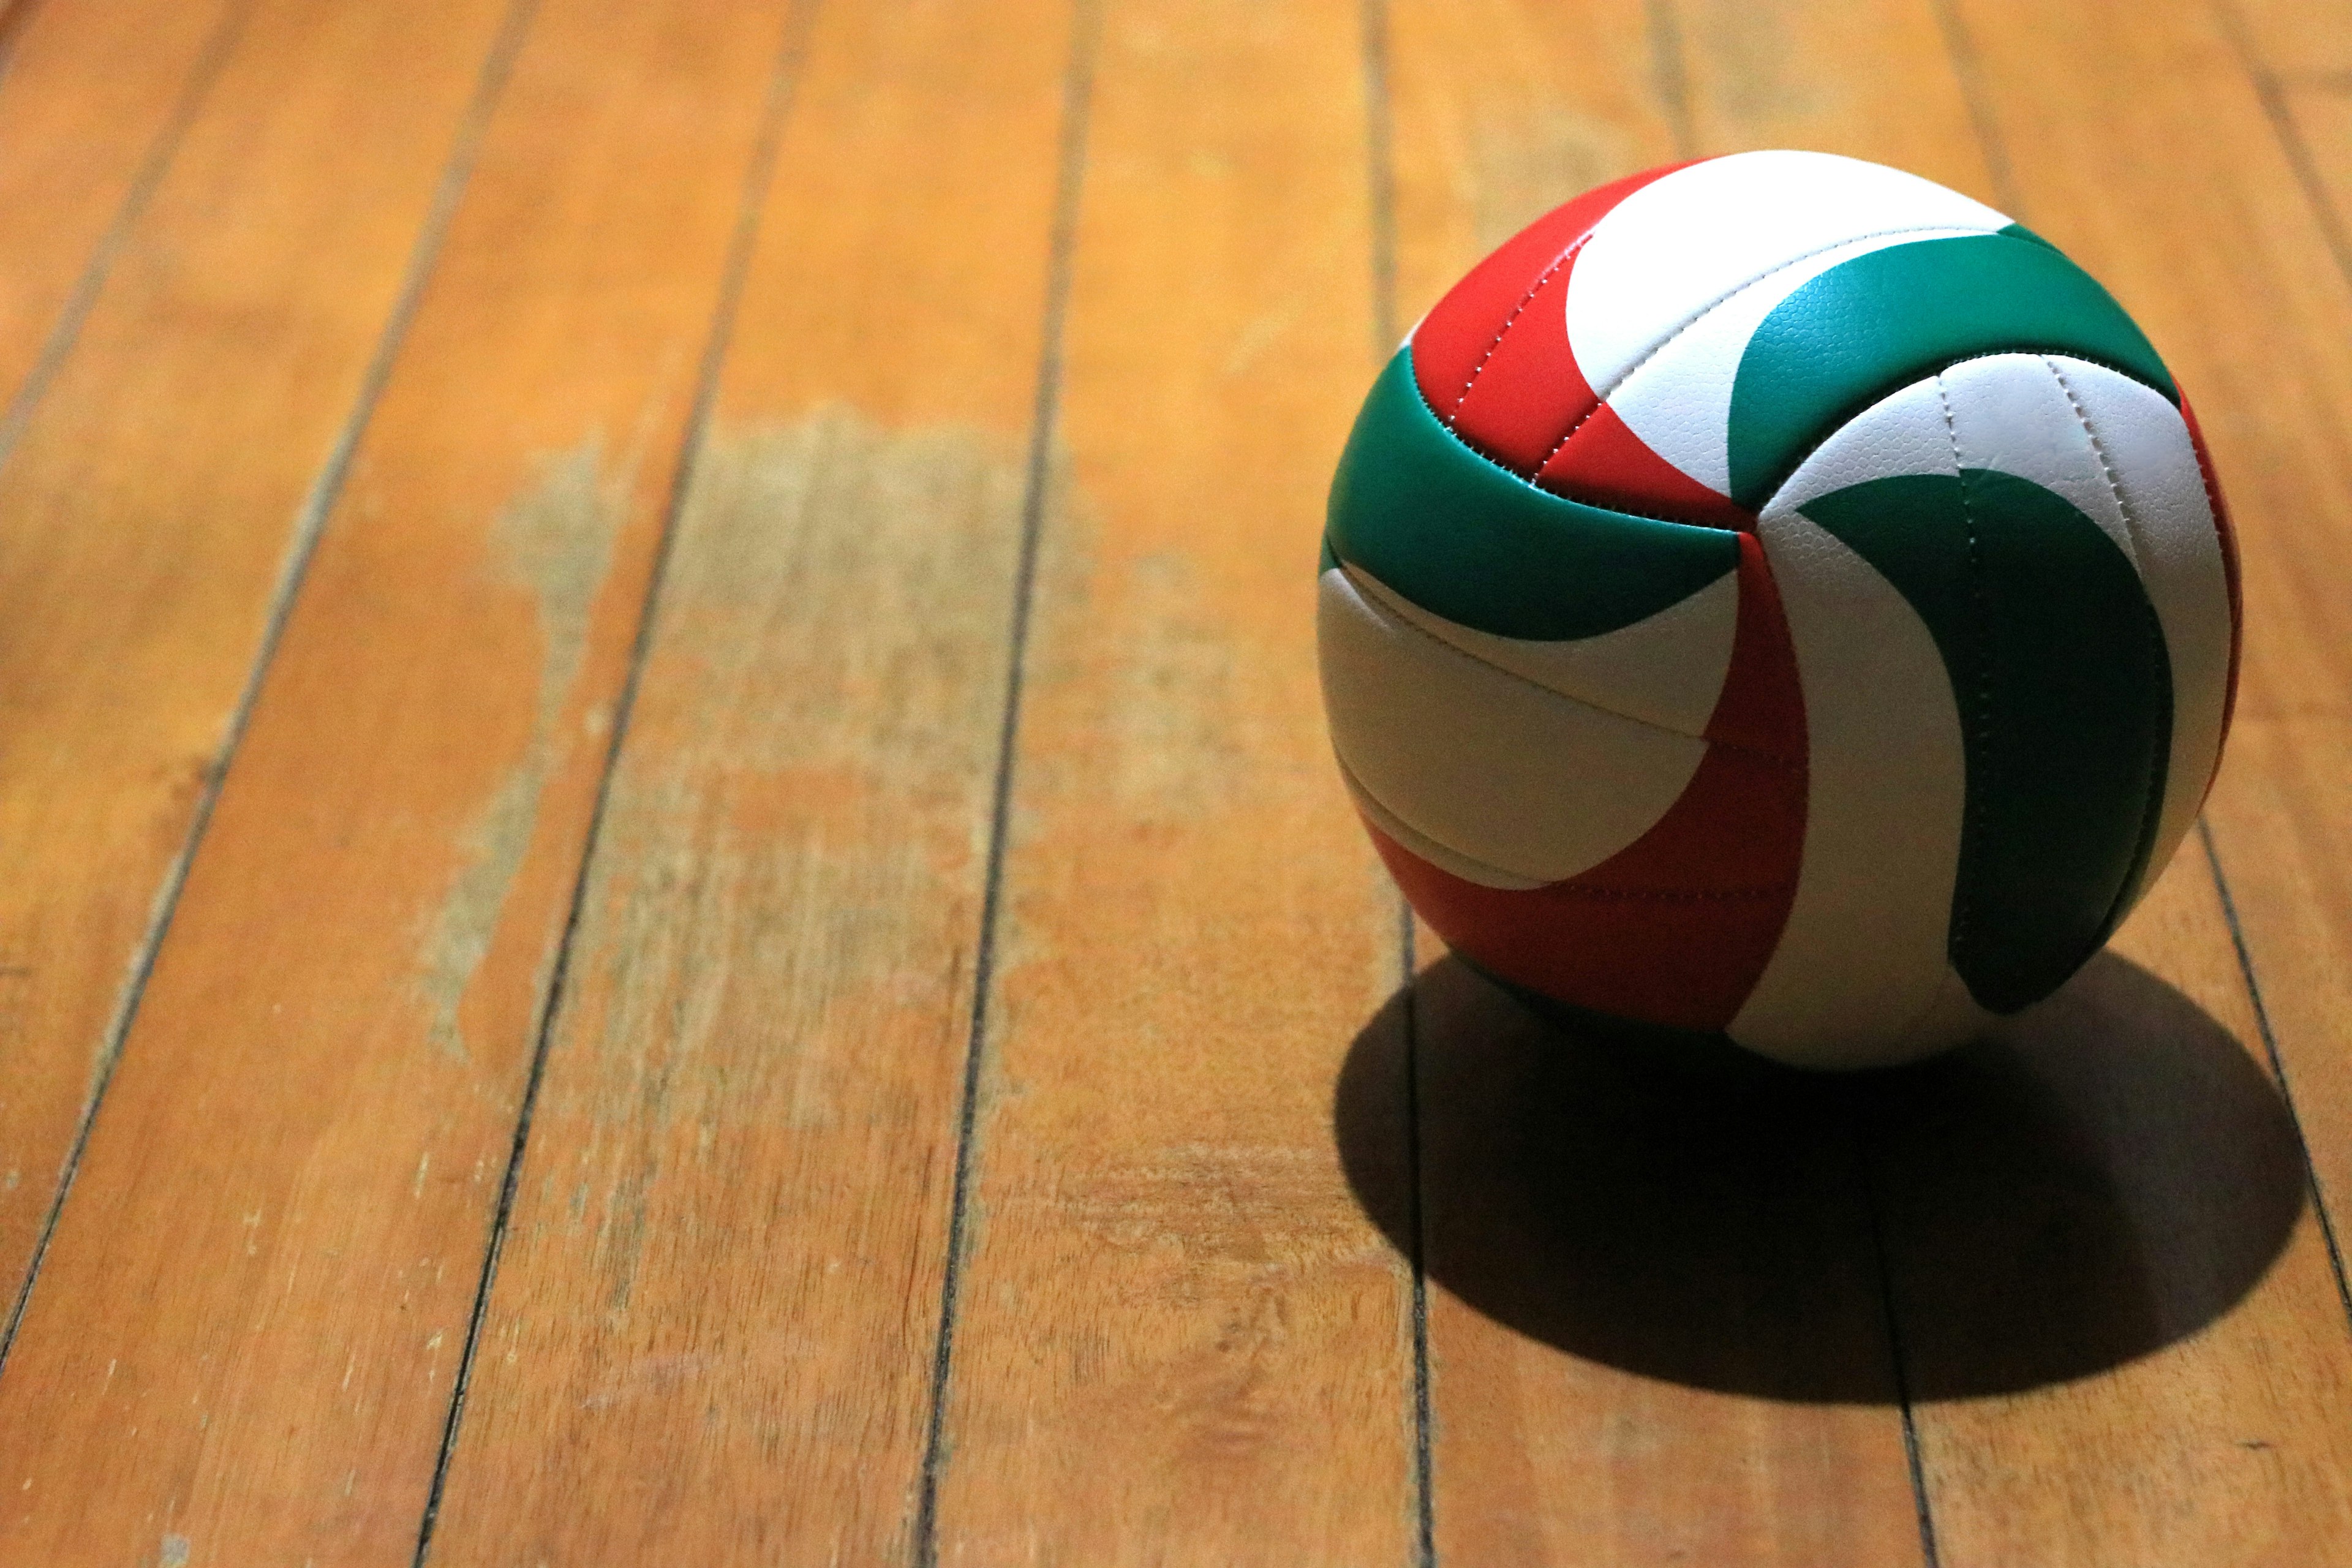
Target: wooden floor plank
x: 334, y: 1042
x: 149, y: 507
x: 1562, y: 1433
x: 730, y: 1230
x: 1180, y: 1341
x: 92, y: 100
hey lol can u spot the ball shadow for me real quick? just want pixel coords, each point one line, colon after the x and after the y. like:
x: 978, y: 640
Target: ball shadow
x: 2099, y: 1178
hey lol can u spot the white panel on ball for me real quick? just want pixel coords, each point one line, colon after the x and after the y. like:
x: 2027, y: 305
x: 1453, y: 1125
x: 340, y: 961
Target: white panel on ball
x: 1498, y: 770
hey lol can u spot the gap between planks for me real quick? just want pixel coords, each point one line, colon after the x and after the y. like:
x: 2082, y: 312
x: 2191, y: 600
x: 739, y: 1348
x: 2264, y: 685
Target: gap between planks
x: 1069, y: 181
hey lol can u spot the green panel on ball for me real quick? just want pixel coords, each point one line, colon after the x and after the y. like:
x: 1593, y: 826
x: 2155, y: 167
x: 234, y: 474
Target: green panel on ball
x: 1470, y: 540
x: 1890, y: 317
x: 2058, y: 667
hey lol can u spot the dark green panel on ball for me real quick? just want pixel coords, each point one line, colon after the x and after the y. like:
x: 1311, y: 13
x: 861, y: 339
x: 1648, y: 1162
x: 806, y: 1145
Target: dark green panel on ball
x: 2065, y: 692
x: 1870, y: 326
x: 1470, y: 540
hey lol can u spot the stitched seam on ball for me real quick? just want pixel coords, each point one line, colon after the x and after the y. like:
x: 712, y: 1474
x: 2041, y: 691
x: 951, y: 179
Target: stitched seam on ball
x: 1562, y: 259
x: 2098, y: 452
x: 1649, y: 516
x: 1796, y: 464
x: 2222, y: 538
x: 1614, y: 508
x: 1356, y: 781
x: 1935, y: 994
x: 1448, y: 420
x: 1961, y: 912
x: 1789, y: 764
x: 2152, y: 811
x: 1602, y: 396
x: 1565, y: 885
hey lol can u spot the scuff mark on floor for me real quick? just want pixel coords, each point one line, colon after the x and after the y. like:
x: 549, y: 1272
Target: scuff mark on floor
x: 555, y: 542
x: 796, y: 838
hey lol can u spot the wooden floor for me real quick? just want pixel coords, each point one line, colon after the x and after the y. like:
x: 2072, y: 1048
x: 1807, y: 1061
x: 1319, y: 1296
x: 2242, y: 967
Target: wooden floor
x: 671, y: 892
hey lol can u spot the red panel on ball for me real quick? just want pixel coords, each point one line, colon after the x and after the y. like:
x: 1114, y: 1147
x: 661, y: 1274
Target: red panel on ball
x: 1528, y: 390
x: 2228, y: 559
x: 1603, y: 463
x: 1456, y: 336
x: 1675, y: 928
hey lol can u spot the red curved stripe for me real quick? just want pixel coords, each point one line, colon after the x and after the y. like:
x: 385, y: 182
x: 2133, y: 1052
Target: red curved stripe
x: 2229, y: 564
x: 1675, y: 928
x: 1530, y: 387
x: 1468, y: 356
x: 1603, y: 462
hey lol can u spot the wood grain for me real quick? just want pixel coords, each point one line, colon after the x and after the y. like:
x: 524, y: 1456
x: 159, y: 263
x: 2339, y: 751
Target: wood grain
x: 1501, y: 111
x: 334, y: 1042
x: 727, y: 1241
x: 1180, y: 1341
x: 2322, y: 120
x: 149, y: 504
x: 2303, y: 38
x: 1869, y: 82
x: 1635, y: 1422
x: 93, y: 99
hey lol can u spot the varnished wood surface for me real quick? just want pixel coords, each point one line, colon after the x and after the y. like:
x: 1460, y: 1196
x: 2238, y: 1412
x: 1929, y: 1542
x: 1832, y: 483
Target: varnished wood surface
x: 673, y: 892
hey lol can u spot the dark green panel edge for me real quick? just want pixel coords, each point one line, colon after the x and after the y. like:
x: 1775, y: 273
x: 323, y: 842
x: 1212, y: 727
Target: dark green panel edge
x: 1466, y: 539
x: 1887, y: 318
x: 2064, y: 691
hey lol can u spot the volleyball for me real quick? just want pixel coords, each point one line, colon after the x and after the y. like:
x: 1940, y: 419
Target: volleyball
x: 1779, y: 597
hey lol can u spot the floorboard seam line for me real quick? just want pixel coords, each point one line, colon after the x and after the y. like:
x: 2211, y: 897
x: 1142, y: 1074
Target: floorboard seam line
x: 1077, y: 102
x: 309, y: 522
x: 757, y: 181
x: 2271, y: 95
x: 1380, y: 147
x: 1865, y: 1169
x: 13, y: 19
x: 1380, y: 136
x: 65, y: 330
x: 2278, y: 1064
x: 1968, y: 70
x: 1424, y: 1476
x: 1670, y: 75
